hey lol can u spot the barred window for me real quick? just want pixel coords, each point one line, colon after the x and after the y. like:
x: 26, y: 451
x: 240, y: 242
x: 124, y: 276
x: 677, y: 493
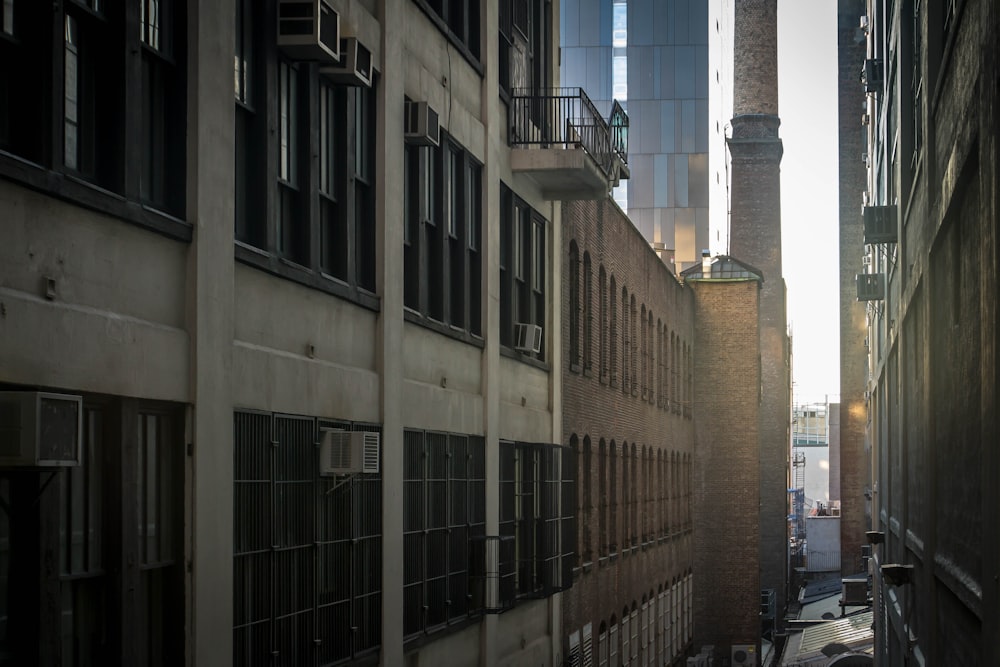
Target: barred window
x: 307, y: 549
x: 445, y: 509
x: 537, y: 502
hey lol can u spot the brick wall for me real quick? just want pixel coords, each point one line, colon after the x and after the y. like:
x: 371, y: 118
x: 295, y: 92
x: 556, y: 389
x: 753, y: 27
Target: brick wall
x: 853, y: 467
x: 597, y: 408
x: 727, y: 476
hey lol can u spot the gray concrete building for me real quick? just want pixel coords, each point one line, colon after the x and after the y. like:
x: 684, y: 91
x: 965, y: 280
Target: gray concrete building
x: 285, y: 320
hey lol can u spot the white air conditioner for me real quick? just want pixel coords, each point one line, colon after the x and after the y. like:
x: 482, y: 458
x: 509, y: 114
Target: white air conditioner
x: 528, y: 338
x: 39, y: 429
x: 355, y: 66
x: 421, y: 124
x: 347, y: 452
x: 743, y: 655
x: 309, y: 30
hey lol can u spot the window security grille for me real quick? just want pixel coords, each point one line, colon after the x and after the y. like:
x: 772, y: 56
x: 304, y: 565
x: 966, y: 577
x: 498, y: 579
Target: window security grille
x: 306, y: 549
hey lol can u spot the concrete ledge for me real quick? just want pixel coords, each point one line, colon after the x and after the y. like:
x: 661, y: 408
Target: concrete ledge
x: 562, y: 173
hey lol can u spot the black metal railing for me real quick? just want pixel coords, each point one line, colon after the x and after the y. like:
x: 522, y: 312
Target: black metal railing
x: 565, y: 117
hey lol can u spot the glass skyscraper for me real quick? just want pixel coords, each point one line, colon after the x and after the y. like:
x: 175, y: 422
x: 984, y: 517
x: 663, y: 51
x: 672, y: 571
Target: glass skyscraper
x: 653, y: 56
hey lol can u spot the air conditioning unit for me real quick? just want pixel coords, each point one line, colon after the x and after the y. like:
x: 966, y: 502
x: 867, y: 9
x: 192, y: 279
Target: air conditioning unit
x: 422, y: 126
x: 40, y: 430
x: 854, y: 591
x: 743, y: 655
x: 880, y: 224
x: 348, y: 452
x: 354, y: 67
x: 871, y: 286
x: 528, y: 338
x: 871, y: 75
x: 309, y: 30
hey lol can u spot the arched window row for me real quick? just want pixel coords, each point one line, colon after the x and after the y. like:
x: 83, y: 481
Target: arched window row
x: 653, y: 505
x: 634, y: 349
x: 654, y: 631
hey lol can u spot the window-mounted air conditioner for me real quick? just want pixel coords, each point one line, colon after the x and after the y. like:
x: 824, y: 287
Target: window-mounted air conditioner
x: 743, y: 655
x: 355, y: 66
x: 854, y: 591
x: 871, y: 75
x: 309, y: 30
x: 528, y: 338
x: 39, y: 429
x: 421, y: 124
x: 348, y: 452
x: 880, y: 224
x: 871, y: 286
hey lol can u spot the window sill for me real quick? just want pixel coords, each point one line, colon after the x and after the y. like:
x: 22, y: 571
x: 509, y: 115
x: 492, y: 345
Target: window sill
x: 574, y: 368
x: 588, y: 566
x: 93, y: 197
x: 415, y: 317
x: 511, y: 353
x: 283, y: 268
x: 587, y: 373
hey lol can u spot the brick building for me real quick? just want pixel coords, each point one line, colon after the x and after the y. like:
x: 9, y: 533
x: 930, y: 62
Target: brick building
x: 628, y: 335
x: 854, y: 473
x: 931, y: 233
x: 727, y: 295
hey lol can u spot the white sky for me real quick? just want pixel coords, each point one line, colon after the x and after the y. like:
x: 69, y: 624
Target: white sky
x: 807, y: 105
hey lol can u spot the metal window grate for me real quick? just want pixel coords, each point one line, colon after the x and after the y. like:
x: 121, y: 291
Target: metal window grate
x: 445, y: 510
x: 307, y: 549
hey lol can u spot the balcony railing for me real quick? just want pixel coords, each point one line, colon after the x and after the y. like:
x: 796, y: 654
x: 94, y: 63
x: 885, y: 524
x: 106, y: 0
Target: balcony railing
x: 566, y: 118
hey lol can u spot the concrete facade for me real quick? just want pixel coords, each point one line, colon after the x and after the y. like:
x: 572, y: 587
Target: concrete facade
x: 99, y: 302
x: 633, y: 583
x: 933, y: 336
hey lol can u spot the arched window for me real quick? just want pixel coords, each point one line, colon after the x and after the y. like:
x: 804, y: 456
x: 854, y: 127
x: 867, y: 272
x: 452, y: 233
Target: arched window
x: 602, y: 499
x: 634, y: 351
x: 643, y: 630
x: 613, y: 499
x: 626, y: 637
x: 661, y: 365
x: 613, y: 642
x: 663, y: 493
x: 635, y: 496
x: 626, y: 344
x: 574, y: 306
x: 587, y: 500
x: 650, y: 367
x: 633, y: 621
x: 644, y: 351
x: 574, y: 446
x: 626, y: 499
x: 602, y: 645
x: 613, y: 334
x: 602, y: 322
x: 588, y: 314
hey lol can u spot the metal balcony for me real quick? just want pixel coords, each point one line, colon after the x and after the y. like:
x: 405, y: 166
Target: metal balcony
x: 560, y: 140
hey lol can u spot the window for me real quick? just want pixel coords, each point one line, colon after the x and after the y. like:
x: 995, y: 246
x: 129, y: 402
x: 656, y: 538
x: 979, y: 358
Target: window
x: 644, y: 351
x: 305, y: 167
x: 588, y: 500
x: 634, y: 350
x: 613, y: 500
x: 445, y: 492
x: 441, y: 253
x: 613, y: 334
x: 537, y: 492
x: 626, y: 344
x: 602, y: 322
x: 525, y: 39
x: 307, y: 549
x: 71, y: 534
x: 588, y: 314
x: 574, y: 307
x: 602, y: 499
x: 522, y: 267
x: 71, y: 102
x: 459, y: 19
